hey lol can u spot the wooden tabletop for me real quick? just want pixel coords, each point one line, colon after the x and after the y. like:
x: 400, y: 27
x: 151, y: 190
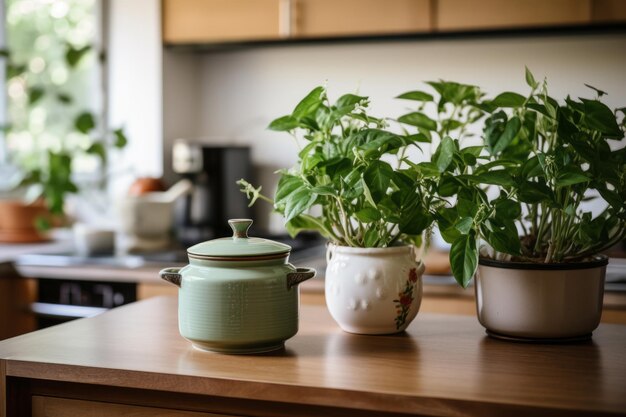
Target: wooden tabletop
x: 443, y: 365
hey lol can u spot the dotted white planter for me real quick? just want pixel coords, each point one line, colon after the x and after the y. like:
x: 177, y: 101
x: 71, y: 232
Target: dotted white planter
x: 373, y: 290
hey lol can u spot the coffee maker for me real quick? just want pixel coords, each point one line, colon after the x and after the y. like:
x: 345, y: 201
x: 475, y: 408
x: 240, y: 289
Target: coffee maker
x: 214, y: 170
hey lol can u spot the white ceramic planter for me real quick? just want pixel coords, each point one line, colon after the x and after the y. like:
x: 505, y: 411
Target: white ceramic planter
x: 540, y: 301
x: 373, y: 290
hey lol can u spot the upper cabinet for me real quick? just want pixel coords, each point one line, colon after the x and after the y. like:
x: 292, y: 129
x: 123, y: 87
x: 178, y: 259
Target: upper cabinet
x: 213, y: 21
x: 497, y: 14
x: 334, y: 18
x: 223, y: 21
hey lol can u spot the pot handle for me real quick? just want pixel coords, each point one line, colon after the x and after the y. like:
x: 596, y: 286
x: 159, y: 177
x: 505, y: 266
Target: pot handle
x: 171, y: 275
x: 301, y: 275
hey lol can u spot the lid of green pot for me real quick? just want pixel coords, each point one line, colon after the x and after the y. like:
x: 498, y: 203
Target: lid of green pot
x: 239, y: 245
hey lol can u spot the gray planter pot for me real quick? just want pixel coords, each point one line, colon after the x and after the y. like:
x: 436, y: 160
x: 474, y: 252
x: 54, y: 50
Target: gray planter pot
x: 540, y: 302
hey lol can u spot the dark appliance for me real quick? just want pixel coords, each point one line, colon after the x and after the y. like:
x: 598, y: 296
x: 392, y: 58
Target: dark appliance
x: 214, y: 170
x: 59, y: 301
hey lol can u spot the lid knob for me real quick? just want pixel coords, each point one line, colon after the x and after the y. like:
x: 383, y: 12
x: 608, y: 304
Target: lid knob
x: 240, y: 227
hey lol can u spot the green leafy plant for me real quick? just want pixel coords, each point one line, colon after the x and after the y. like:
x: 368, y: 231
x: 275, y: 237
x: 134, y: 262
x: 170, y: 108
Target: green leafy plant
x: 542, y: 159
x: 353, y: 171
x: 48, y: 173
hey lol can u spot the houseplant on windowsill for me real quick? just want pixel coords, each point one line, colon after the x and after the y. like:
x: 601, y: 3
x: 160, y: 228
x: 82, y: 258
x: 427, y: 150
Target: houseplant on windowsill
x: 372, y: 212
x: 37, y: 179
x: 540, y: 273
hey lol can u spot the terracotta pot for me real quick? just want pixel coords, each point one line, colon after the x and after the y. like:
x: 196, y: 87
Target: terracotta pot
x: 373, y: 290
x: 540, y: 301
x: 17, y: 221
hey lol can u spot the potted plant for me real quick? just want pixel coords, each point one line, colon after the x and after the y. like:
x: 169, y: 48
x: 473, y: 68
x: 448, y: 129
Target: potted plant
x: 370, y: 205
x: 522, y: 217
x: 36, y: 182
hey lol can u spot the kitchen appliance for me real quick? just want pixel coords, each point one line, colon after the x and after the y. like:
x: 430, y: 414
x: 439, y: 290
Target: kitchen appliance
x: 214, y: 171
x: 238, y: 294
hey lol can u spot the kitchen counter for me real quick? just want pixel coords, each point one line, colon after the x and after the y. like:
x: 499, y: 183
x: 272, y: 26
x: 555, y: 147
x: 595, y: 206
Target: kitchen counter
x: 132, y: 360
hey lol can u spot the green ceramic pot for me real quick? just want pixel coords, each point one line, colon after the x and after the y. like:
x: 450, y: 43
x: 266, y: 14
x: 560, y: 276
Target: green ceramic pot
x: 238, y: 294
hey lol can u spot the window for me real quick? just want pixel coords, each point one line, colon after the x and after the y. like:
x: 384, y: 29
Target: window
x: 53, y: 77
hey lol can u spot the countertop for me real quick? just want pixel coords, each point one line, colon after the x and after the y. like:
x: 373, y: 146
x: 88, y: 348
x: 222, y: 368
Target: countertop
x: 442, y: 365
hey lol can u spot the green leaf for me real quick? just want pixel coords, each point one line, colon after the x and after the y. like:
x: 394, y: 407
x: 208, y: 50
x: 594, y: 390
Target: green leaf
x: 448, y: 186
x: 377, y: 177
x: 464, y: 225
x: 599, y: 117
x: 464, y: 258
x: 507, y: 209
x: 303, y: 223
x: 35, y: 94
x: 504, y: 240
x: 287, y: 184
x: 499, y: 177
x: 74, y: 55
x: 570, y: 177
x: 466, y: 208
x: 120, y: 138
x: 414, y: 220
x: 84, y: 122
x: 324, y: 190
x: 530, y: 79
x: 418, y: 119
x: 298, y: 202
x: 15, y: 70
x: 42, y: 224
x: 473, y: 150
x: 371, y: 237
x: 418, y: 137
x: 283, y: 124
x: 97, y: 148
x: 427, y: 169
x: 367, y: 193
x: 368, y: 215
x: 416, y: 95
x: 309, y: 104
x: 64, y: 98
x: 534, y: 192
x: 350, y: 101
x: 445, y: 153
x: 509, y: 99
x: 511, y: 130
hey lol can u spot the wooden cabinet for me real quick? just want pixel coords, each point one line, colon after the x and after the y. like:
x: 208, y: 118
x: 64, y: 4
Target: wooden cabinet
x: 321, y: 18
x: 215, y: 21
x: 61, y: 407
x: 453, y: 15
x: 16, y: 295
x: 222, y: 21
x: 608, y: 11
x: 200, y: 21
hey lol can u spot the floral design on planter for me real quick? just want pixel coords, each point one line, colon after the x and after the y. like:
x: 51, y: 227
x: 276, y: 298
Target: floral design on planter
x: 405, y: 299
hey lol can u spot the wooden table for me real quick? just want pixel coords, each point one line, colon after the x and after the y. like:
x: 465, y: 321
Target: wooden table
x: 132, y: 360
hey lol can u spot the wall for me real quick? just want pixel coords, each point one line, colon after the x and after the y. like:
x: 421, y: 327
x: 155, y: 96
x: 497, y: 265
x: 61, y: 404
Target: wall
x: 135, y: 87
x: 242, y: 91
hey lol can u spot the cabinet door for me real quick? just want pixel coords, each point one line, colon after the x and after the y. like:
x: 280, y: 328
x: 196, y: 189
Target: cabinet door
x: 205, y: 21
x: 324, y: 18
x: 488, y: 14
x: 61, y: 407
x: 609, y: 11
